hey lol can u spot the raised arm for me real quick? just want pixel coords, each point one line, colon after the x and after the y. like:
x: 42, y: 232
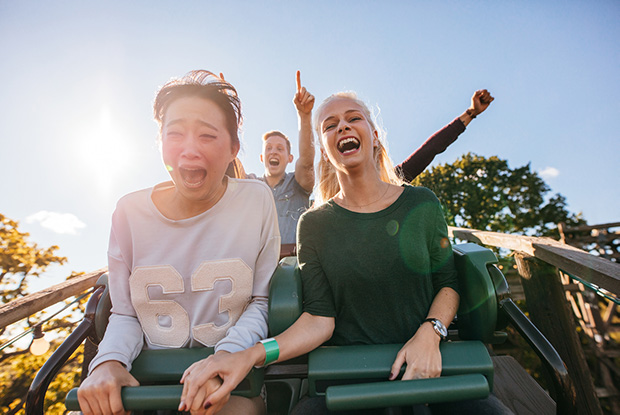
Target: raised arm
x: 439, y: 142
x: 304, y: 168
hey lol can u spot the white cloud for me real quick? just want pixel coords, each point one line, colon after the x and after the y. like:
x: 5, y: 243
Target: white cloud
x: 549, y: 173
x: 63, y: 223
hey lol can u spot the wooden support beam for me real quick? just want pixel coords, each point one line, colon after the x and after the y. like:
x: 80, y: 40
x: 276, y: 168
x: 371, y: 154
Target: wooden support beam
x: 26, y: 306
x: 549, y: 311
x: 599, y: 271
x: 590, y: 227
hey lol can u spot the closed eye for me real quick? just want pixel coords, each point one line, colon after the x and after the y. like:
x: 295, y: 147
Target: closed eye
x: 173, y: 135
x: 328, y: 127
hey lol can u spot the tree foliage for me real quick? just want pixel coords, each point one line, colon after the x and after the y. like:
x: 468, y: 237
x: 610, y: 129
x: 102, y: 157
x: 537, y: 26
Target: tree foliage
x: 486, y: 194
x: 20, y: 261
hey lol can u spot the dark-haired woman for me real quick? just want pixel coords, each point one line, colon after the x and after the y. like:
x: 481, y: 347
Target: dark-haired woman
x: 190, y: 259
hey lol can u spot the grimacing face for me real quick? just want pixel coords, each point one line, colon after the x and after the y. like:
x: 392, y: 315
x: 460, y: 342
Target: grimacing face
x: 196, y: 147
x: 275, y: 156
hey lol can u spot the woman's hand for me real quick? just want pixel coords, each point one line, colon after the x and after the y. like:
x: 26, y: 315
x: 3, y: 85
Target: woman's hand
x: 200, y: 392
x: 303, y: 100
x: 200, y: 408
x: 421, y: 353
x: 101, y: 391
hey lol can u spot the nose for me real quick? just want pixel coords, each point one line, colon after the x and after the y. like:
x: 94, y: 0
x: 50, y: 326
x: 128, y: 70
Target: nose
x: 190, y: 149
x: 343, y: 126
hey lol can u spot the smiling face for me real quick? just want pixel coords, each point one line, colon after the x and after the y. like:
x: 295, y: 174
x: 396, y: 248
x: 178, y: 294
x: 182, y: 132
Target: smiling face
x: 196, y: 149
x: 347, y: 136
x: 275, y: 156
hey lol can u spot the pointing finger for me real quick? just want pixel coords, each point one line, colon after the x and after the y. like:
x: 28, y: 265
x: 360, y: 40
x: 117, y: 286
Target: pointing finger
x: 298, y: 80
x: 222, y: 76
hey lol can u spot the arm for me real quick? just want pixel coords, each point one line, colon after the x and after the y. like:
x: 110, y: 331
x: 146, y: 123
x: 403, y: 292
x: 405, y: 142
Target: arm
x: 304, y: 168
x: 439, y: 142
x: 305, y: 335
x: 421, y: 352
x: 122, y: 342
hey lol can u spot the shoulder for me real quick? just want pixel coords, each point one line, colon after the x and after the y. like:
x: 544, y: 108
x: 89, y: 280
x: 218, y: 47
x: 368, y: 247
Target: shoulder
x: 420, y: 194
x: 317, y: 215
x: 133, y: 199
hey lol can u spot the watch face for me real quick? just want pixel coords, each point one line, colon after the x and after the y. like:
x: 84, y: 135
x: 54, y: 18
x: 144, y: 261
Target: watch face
x: 440, y: 328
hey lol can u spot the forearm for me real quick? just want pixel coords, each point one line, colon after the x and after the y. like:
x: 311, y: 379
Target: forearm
x: 305, y: 335
x: 122, y: 342
x: 444, y: 306
x: 304, y: 168
x: 467, y: 116
x: 435, y: 144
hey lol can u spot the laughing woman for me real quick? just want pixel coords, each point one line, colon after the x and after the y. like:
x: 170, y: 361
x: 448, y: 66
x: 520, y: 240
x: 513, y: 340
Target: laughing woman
x: 375, y: 260
x: 189, y: 260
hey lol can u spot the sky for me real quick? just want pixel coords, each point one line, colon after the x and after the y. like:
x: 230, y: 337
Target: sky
x: 79, y: 79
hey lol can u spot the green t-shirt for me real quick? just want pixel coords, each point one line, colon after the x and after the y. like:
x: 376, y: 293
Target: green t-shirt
x: 376, y: 273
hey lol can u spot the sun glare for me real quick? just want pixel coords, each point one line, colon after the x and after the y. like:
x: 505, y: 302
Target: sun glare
x: 104, y: 151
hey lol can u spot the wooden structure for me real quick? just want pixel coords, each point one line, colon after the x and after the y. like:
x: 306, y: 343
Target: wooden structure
x: 539, y: 261
x: 599, y: 325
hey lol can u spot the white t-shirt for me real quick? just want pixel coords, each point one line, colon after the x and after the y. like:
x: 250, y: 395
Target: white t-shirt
x: 201, y: 281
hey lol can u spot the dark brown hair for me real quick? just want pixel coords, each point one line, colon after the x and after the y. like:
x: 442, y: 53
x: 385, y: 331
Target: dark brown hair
x: 202, y: 84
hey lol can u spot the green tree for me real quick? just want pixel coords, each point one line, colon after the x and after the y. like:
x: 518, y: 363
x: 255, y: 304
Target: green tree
x: 486, y: 194
x: 20, y: 261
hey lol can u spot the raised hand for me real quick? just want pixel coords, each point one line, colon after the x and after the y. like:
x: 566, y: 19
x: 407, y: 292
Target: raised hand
x: 480, y: 101
x: 303, y: 100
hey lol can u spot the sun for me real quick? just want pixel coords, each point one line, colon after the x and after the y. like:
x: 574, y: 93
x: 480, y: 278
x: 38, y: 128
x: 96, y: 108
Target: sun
x: 104, y: 151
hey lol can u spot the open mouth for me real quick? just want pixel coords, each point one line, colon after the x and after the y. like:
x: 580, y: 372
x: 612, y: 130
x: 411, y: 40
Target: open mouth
x: 348, y: 145
x: 274, y: 162
x: 193, y: 177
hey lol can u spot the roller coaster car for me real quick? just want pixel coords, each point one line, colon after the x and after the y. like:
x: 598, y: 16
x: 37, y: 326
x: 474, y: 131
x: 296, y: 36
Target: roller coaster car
x: 350, y: 377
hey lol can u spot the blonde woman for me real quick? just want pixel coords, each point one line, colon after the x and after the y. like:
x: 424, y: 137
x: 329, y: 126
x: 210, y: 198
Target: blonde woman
x: 375, y: 260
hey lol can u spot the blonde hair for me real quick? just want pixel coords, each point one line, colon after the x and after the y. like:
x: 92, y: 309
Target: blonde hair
x: 328, y: 184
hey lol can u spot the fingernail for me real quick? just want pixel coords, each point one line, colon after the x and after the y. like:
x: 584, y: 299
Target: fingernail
x: 181, y: 406
x: 207, y: 405
x: 391, y: 376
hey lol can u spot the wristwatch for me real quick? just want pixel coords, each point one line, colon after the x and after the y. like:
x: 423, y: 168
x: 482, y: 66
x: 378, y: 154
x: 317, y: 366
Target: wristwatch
x: 439, y: 328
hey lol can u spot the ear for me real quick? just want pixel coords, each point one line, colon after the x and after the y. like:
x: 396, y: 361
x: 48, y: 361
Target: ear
x: 375, y: 141
x: 290, y: 158
x: 261, y: 158
x: 235, y: 150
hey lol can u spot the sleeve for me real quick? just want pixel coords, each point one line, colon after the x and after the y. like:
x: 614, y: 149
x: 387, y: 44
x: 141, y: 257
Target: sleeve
x: 442, y: 258
x: 123, y: 339
x: 318, y: 298
x: 424, y: 155
x: 252, y: 325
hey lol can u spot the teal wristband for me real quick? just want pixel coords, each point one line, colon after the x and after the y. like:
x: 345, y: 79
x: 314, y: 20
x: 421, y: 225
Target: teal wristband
x: 272, y: 350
